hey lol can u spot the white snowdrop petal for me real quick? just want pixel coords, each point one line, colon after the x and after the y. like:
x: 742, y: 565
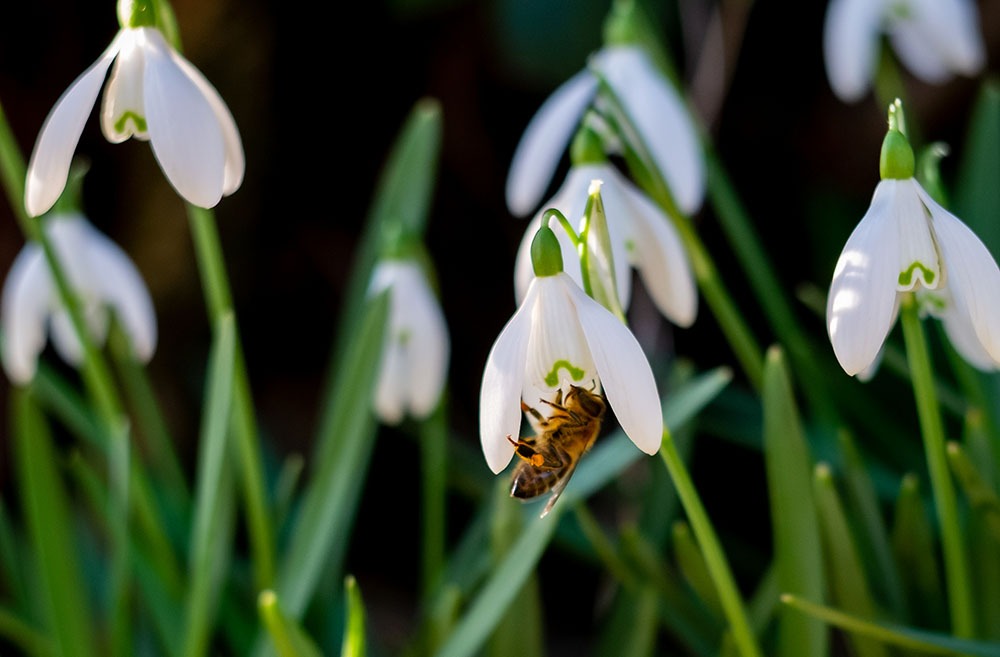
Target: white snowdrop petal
x: 962, y: 335
x: 389, y: 386
x: 557, y: 354
x: 57, y: 140
x: 183, y: 131
x: 972, y: 274
x: 121, y: 286
x: 917, y: 254
x: 624, y: 372
x: 428, y: 345
x: 950, y: 30
x: 122, y: 110
x: 64, y: 338
x: 662, y: 262
x: 851, y: 35
x: 500, y: 394
x: 544, y: 142
x: 662, y: 119
x: 917, y: 53
x: 235, y: 161
x: 862, y: 293
x: 27, y: 294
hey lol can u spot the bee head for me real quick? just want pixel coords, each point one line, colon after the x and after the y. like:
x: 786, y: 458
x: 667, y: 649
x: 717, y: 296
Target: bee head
x: 592, y: 404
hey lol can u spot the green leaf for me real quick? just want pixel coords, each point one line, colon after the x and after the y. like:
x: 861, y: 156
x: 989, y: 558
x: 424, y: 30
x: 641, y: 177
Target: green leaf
x: 354, y: 638
x: 981, y: 496
x: 915, y: 551
x: 290, y: 640
x: 977, y: 194
x: 691, y: 565
x: 214, y: 494
x: 890, y: 633
x: 797, y: 547
x: 47, y: 509
x: 848, y: 580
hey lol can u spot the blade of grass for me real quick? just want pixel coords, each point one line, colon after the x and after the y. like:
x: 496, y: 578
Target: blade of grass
x: 915, y: 551
x: 213, y: 495
x: 931, y: 643
x: 848, y: 579
x: 289, y: 639
x: 48, y: 513
x: 797, y: 549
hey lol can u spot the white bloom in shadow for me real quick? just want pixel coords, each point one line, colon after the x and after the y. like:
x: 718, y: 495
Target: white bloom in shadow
x: 152, y: 94
x: 414, y: 364
x: 653, y: 106
x: 934, y: 39
x: 642, y: 237
x: 101, y: 275
x: 557, y: 337
x: 907, y: 242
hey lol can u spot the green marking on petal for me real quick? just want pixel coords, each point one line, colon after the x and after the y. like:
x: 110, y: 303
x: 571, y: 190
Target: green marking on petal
x: 138, y: 121
x: 552, y: 378
x: 404, y: 337
x: 906, y: 277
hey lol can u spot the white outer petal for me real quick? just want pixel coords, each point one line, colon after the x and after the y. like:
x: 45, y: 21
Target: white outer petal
x: 962, y: 335
x: 862, y: 296
x: 64, y: 337
x: 57, y: 140
x: 662, y: 119
x: 428, y: 347
x: 941, y: 38
x: 851, y: 35
x: 659, y: 256
x: 184, y: 132
x: 972, y: 274
x: 544, y: 142
x: 389, y: 387
x: 500, y: 394
x: 121, y: 286
x: 235, y: 160
x: 624, y: 371
x: 27, y: 295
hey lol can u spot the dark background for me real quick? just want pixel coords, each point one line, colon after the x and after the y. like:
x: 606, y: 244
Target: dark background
x: 320, y: 94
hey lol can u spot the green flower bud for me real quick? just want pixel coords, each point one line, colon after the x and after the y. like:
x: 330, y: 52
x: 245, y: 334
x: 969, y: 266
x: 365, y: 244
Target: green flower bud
x: 621, y: 26
x: 546, y: 256
x: 896, y: 161
x: 587, y: 147
x: 136, y: 13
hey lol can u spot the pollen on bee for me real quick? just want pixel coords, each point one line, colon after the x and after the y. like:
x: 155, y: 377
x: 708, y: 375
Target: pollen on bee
x: 537, y: 460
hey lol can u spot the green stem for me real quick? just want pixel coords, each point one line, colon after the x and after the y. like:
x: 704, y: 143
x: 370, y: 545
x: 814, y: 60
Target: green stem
x: 946, y: 505
x: 218, y: 299
x: 715, y: 558
x: 651, y: 180
x: 96, y: 377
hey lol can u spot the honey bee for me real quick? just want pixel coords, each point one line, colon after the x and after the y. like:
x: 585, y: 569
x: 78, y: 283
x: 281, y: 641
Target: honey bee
x: 549, y: 458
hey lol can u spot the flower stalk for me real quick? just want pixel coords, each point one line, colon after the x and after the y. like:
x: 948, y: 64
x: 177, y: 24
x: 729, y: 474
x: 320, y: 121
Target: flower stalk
x: 945, y: 501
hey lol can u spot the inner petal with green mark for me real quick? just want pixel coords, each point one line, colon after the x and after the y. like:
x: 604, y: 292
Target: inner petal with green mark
x: 917, y: 272
x: 138, y: 122
x: 552, y: 378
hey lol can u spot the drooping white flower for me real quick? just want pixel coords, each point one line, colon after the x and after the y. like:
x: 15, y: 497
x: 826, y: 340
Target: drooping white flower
x: 934, y: 39
x: 153, y: 94
x: 642, y: 237
x: 654, y: 108
x: 907, y: 242
x: 101, y: 275
x: 557, y: 337
x: 414, y: 364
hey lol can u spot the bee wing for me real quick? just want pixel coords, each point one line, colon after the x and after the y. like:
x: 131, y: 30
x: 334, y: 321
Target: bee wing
x: 557, y: 490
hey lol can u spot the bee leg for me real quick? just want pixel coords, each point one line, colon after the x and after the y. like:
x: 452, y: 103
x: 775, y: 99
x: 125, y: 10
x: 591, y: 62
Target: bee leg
x: 534, y: 413
x: 528, y: 453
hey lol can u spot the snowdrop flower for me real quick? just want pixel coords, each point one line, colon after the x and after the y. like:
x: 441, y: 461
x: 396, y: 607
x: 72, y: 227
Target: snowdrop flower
x: 653, y: 107
x: 101, y: 275
x: 152, y: 94
x: 642, y: 237
x: 414, y: 362
x: 933, y: 38
x: 906, y: 242
x: 557, y: 337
